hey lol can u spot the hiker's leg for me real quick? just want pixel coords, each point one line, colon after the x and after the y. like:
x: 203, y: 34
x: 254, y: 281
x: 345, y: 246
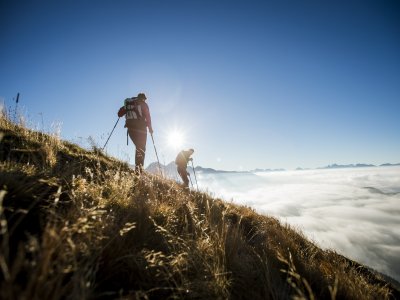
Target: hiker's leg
x: 139, y: 137
x: 186, y: 180
x: 184, y: 175
x: 180, y: 172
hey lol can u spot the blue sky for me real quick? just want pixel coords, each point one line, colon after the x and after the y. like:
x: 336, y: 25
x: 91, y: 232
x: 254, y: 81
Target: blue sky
x: 253, y: 84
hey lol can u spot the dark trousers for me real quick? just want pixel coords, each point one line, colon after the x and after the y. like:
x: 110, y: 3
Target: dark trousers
x: 184, y: 175
x: 139, y: 138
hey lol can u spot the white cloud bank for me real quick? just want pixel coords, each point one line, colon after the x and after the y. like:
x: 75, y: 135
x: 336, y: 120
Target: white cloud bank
x: 356, y: 212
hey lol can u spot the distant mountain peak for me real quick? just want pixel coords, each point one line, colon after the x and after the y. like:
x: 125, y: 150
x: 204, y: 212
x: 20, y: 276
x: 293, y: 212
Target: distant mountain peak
x: 337, y: 166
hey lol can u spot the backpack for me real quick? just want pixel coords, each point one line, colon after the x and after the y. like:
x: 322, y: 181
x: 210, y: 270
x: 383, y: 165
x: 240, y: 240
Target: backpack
x: 133, y: 109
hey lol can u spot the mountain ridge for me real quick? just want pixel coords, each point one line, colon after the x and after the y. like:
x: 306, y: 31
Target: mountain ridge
x: 171, y: 168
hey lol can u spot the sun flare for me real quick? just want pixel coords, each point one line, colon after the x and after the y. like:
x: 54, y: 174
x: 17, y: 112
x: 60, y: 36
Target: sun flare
x: 175, y: 139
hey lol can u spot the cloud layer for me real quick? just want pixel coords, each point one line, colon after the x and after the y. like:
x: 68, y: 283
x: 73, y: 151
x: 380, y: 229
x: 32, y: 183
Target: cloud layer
x: 356, y: 212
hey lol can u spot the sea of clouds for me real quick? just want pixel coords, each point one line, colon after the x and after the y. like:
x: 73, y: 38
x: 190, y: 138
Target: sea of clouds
x: 355, y: 212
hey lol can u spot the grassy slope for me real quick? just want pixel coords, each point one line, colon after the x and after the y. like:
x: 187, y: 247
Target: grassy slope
x: 78, y: 224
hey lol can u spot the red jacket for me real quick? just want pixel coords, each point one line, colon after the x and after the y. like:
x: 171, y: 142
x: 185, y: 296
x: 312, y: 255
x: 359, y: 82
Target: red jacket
x: 137, y: 113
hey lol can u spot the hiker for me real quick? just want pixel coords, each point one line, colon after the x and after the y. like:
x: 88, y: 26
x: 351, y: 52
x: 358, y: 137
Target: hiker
x: 138, y: 119
x: 181, y: 161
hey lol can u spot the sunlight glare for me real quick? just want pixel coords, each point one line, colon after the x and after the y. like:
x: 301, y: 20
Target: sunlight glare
x: 176, y: 139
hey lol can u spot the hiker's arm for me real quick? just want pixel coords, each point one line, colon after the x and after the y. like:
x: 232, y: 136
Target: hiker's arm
x: 146, y: 113
x: 122, y: 111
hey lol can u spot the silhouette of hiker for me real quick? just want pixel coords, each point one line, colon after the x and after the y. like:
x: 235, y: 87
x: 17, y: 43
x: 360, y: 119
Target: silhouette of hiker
x: 138, y: 119
x: 181, y: 161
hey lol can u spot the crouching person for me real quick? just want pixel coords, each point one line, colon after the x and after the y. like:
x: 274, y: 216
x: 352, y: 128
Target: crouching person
x: 181, y: 162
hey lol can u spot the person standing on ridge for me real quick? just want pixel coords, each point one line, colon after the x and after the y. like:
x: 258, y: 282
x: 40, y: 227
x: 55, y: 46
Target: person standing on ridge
x: 181, y: 162
x: 138, y: 119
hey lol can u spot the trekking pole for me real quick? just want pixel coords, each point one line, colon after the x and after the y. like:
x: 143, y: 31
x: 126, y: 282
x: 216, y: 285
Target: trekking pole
x: 16, y: 108
x: 155, y: 150
x: 110, y: 135
x: 194, y: 172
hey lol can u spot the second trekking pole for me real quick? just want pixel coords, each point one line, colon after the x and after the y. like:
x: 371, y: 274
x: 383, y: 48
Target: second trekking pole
x: 194, y: 172
x: 110, y: 135
x: 155, y: 150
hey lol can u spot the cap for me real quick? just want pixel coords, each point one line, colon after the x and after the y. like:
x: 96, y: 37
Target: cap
x: 141, y: 96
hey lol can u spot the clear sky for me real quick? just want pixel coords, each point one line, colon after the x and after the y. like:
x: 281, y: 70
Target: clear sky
x: 252, y: 84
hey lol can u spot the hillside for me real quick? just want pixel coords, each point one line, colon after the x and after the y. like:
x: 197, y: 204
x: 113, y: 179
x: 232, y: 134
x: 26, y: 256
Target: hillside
x: 77, y: 224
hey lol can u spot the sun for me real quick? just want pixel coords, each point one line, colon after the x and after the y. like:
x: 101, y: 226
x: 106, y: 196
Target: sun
x: 175, y: 139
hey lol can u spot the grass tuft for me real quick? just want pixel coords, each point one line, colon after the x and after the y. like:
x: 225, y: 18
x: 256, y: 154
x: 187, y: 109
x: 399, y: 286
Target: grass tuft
x: 81, y: 225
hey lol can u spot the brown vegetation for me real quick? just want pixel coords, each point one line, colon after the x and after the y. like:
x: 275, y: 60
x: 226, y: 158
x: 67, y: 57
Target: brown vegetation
x: 78, y: 224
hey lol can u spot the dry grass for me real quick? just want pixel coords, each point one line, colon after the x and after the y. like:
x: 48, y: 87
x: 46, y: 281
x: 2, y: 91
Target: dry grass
x: 77, y: 224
